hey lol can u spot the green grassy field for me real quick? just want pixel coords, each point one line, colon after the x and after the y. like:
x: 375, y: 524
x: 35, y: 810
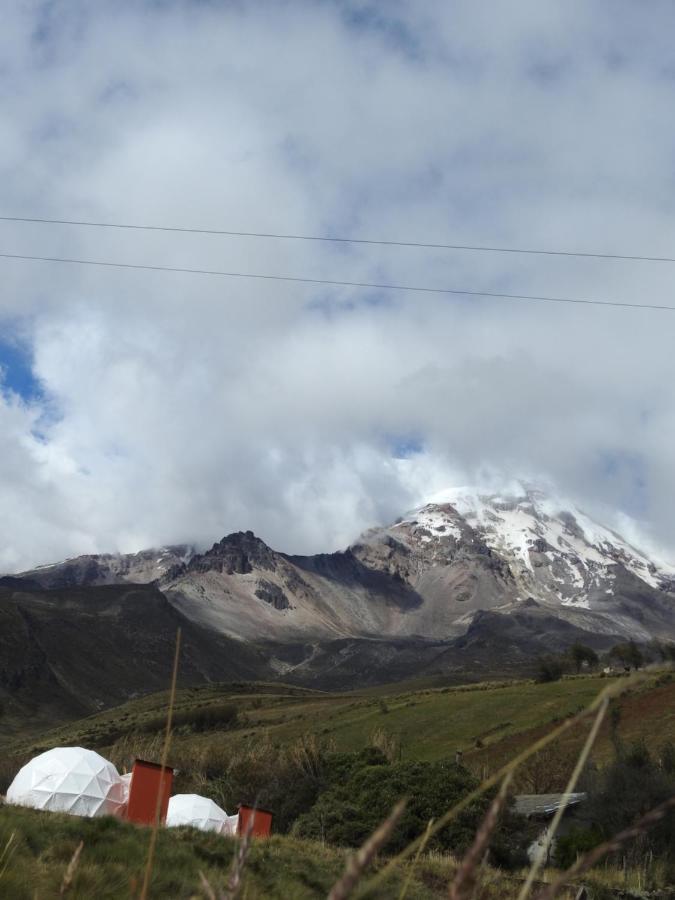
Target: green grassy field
x: 487, y: 722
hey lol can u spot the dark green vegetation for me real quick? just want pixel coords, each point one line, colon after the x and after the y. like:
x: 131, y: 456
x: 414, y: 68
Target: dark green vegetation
x: 362, y: 789
x: 626, y: 655
x: 635, y: 781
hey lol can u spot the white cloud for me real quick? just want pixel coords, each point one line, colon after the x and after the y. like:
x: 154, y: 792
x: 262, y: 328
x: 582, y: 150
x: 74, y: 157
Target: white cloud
x: 180, y: 407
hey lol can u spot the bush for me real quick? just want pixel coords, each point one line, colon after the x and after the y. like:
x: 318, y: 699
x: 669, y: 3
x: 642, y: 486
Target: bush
x: 286, y: 780
x: 217, y: 716
x: 575, y: 843
x: 366, y: 786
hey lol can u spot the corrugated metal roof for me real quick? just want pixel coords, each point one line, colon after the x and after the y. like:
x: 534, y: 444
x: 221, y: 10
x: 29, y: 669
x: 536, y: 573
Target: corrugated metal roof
x: 544, y: 804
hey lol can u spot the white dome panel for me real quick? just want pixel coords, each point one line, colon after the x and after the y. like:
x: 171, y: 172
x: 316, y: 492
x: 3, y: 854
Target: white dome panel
x: 71, y: 780
x: 199, y: 812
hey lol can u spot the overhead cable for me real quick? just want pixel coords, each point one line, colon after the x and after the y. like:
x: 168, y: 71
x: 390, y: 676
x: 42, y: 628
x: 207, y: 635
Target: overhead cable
x: 329, y: 282
x: 479, y: 248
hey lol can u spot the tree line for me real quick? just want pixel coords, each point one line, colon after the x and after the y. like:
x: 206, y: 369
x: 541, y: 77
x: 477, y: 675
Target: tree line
x: 627, y: 655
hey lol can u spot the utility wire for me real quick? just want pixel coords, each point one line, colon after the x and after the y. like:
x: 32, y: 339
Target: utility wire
x: 341, y: 240
x: 333, y: 282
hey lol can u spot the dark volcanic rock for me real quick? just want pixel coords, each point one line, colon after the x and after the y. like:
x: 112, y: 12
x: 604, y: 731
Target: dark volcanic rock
x: 238, y: 553
x: 271, y: 593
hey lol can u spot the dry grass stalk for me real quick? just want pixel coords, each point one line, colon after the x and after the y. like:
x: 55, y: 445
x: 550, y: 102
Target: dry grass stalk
x: 206, y: 887
x: 165, y: 755
x: 608, y: 693
x: 543, y: 850
x: 69, y: 875
x: 238, y: 863
x: 385, y: 742
x: 6, y: 854
x: 359, y: 861
x: 465, y: 880
x: 234, y: 881
x: 588, y: 860
x: 420, y: 850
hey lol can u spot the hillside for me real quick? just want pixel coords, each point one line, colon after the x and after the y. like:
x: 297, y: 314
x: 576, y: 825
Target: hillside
x: 69, y: 652
x: 488, y: 722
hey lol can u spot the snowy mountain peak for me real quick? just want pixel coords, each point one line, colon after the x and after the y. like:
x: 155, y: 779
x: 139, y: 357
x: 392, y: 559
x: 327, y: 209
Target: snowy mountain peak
x: 556, y: 552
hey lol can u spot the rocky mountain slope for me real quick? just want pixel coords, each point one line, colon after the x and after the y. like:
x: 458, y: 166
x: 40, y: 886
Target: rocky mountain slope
x: 143, y: 567
x: 69, y: 652
x: 424, y: 576
x: 468, y: 586
x: 428, y: 574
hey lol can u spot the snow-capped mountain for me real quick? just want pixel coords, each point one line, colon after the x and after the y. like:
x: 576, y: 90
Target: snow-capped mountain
x: 578, y: 552
x: 430, y: 576
x: 467, y: 587
x: 557, y: 556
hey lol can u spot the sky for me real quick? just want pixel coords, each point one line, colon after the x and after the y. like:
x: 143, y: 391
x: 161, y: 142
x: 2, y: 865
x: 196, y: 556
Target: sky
x: 141, y: 408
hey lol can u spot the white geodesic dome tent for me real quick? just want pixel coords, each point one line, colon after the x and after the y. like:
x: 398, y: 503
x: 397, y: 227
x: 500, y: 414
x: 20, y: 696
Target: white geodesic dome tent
x: 199, y: 812
x: 70, y: 780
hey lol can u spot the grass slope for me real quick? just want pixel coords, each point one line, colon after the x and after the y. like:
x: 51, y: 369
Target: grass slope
x: 112, y: 863
x: 487, y: 722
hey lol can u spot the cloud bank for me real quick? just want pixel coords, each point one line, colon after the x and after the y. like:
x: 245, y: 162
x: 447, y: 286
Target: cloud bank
x: 142, y: 408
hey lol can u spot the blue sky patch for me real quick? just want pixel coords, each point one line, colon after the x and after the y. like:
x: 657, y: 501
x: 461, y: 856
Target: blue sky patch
x: 405, y: 446
x: 16, y: 372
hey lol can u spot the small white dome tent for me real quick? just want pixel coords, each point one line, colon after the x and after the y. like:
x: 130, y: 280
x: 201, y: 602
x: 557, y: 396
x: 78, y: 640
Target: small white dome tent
x: 70, y: 780
x: 199, y: 812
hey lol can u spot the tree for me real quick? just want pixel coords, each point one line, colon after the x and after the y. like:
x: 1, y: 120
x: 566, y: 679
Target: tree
x: 626, y: 789
x: 546, y: 772
x: 628, y: 654
x: 580, y: 654
x: 664, y: 651
x: 549, y: 668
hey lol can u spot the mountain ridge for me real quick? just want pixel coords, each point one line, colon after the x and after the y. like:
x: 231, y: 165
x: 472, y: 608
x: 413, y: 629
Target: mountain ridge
x: 476, y: 588
x: 425, y: 576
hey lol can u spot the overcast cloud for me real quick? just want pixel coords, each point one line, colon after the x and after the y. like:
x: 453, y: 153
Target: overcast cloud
x: 141, y: 408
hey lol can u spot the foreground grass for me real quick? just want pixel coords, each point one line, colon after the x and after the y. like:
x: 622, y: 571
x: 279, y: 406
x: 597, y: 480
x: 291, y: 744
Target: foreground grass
x: 111, y: 863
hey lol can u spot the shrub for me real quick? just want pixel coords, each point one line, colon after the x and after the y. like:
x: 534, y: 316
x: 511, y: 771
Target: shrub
x: 364, y: 791
x: 575, y: 843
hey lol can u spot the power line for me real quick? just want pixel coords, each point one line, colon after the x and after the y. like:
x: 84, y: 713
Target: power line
x: 341, y: 240
x: 334, y: 283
